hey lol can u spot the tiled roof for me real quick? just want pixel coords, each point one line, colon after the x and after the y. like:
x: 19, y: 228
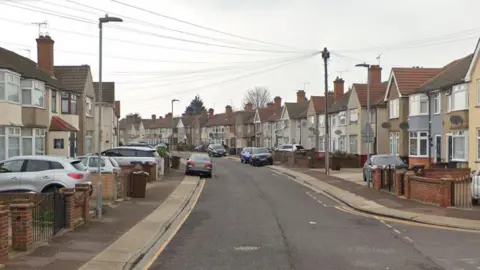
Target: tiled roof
x: 188, y: 120
x: 409, y: 79
x: 222, y: 119
x: 451, y: 74
x: 265, y: 113
x: 297, y: 110
x: 58, y: 124
x: 108, y: 91
x: 340, y: 105
x: 73, y: 78
x: 376, y: 91
x: 319, y: 102
x: 276, y: 114
x: 246, y: 117
x: 26, y: 67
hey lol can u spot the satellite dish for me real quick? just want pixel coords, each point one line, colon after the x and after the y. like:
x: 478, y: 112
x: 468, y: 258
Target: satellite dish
x: 456, y: 119
x: 338, y: 132
x: 403, y: 126
x: 386, y: 125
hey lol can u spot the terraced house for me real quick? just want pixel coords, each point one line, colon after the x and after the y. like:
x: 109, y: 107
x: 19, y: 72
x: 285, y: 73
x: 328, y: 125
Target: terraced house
x: 110, y: 114
x: 410, y: 143
x: 245, y: 127
x: 42, y: 112
x: 316, y: 122
x: 472, y: 77
x: 266, y: 128
x: 274, y: 123
x: 221, y: 127
x: 293, y: 116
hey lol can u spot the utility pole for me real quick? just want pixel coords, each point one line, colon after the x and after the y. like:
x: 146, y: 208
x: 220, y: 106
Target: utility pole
x: 325, y: 57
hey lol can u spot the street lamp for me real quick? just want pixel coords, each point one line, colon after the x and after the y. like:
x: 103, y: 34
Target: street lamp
x: 173, y: 125
x: 369, y: 119
x: 101, y: 21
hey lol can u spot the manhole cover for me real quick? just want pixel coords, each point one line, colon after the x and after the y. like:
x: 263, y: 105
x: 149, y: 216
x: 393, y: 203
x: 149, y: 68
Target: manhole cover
x: 246, y: 248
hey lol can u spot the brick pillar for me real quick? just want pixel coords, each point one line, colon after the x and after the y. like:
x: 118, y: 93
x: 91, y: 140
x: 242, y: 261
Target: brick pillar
x: 85, y: 188
x: 445, y: 192
x: 398, y: 182
x: 69, y: 194
x: 377, y: 178
x: 22, y: 230
x: 408, y: 174
x: 4, y: 245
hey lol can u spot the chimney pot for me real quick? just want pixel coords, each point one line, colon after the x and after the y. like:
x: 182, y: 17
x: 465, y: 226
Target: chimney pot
x: 211, y: 113
x: 228, y: 110
x: 45, y: 54
x: 278, y: 102
x: 154, y: 117
x: 301, y: 96
x: 375, y: 74
x: 248, y: 107
x: 338, y: 89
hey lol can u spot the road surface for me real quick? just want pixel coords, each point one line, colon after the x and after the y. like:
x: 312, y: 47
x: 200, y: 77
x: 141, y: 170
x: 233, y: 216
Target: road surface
x: 252, y: 218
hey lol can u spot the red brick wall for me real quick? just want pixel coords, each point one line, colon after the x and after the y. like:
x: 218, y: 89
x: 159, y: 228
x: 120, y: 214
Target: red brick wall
x: 438, y: 173
x: 429, y: 190
x: 418, y: 161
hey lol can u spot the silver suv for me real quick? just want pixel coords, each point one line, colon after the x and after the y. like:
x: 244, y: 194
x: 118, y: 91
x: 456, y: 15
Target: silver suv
x: 41, y: 173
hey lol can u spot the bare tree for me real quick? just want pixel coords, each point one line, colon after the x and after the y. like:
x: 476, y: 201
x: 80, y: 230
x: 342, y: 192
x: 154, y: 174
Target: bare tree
x: 258, y: 96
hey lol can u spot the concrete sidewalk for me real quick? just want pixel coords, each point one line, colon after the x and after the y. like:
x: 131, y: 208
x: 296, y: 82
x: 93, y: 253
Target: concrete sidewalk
x: 447, y: 217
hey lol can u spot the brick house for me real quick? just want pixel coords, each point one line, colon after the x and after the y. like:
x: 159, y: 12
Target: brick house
x: 261, y: 118
x: 293, y: 116
x: 221, y: 127
x: 110, y: 114
x: 473, y: 78
x: 245, y: 128
x: 316, y: 122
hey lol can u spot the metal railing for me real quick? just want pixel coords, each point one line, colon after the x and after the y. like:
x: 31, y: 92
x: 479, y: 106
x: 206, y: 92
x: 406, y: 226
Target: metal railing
x: 48, y: 216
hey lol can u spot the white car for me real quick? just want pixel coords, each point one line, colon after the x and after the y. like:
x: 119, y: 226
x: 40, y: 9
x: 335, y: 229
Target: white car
x: 290, y: 148
x: 126, y: 155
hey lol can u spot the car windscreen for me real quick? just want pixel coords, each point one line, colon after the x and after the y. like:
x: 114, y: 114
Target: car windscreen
x: 287, y: 146
x: 141, y: 153
x: 200, y: 158
x: 248, y: 149
x: 387, y: 160
x: 93, y: 162
x: 260, y: 150
x: 217, y: 146
x: 77, y: 164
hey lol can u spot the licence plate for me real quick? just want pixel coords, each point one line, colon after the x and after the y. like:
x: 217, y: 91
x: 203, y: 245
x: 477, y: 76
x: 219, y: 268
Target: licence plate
x: 200, y: 165
x: 263, y: 159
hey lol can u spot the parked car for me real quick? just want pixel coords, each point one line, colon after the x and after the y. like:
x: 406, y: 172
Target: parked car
x: 290, y: 148
x: 108, y: 164
x: 245, y: 155
x: 199, y: 164
x: 216, y: 150
x: 126, y: 155
x: 42, y: 174
x: 382, y: 161
x: 261, y: 156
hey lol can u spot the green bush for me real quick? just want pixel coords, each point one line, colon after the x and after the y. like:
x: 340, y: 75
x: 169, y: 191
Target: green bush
x: 162, y: 152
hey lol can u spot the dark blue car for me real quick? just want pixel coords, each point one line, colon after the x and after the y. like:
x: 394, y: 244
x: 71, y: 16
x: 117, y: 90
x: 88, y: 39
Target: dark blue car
x: 245, y: 155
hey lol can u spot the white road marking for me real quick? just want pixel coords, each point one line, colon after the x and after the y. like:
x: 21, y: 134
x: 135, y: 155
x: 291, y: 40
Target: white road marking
x: 275, y: 175
x: 246, y: 248
x: 313, y: 197
x: 388, y: 225
x: 312, y: 222
x: 397, y: 231
x: 408, y: 239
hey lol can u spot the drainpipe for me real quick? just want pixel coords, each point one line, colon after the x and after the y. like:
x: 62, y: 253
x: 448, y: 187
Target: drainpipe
x: 429, y: 98
x: 376, y: 130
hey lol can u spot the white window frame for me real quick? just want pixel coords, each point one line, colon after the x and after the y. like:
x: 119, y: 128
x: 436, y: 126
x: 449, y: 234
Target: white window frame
x: 342, y: 143
x: 415, y: 104
x: 394, y: 108
x: 437, y: 103
x: 394, y: 141
x: 455, y: 135
x: 321, y: 144
x: 453, y: 100
x: 30, y: 138
x: 12, y: 132
x: 353, y: 140
x: 353, y: 116
x: 8, y: 80
x: 333, y: 120
x: 321, y: 120
x: 342, y: 119
x: 39, y: 134
x: 89, y: 110
x: 35, y: 89
x: 418, y: 136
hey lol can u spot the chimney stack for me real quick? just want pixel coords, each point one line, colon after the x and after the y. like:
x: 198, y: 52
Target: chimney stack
x: 278, y: 102
x: 270, y: 105
x: 301, y: 96
x: 168, y: 115
x: 45, y: 54
x: 375, y: 74
x: 154, y: 117
x: 211, y: 113
x: 248, y: 107
x: 338, y: 88
x: 228, y: 110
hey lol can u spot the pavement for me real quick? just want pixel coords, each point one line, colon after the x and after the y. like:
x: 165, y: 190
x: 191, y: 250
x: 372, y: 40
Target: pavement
x: 255, y: 218
x: 100, y: 239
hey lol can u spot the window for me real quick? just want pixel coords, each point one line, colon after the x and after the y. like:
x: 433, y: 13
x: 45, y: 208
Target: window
x: 418, y: 144
x: 394, y: 142
x: 458, y: 99
x: 2, y: 143
x: 353, y: 144
x: 299, y: 124
x: 13, y: 166
x: 54, y: 101
x: 342, y: 144
x: 373, y: 115
x: 343, y: 119
x: 27, y: 141
x: 459, y: 145
x: 321, y: 120
x: 393, y: 108
x: 37, y: 165
x: 13, y: 141
x: 33, y: 93
x: 39, y: 142
x: 333, y: 120
x: 10, y: 87
x: 418, y: 104
x: 436, y: 103
x: 321, y: 144
x: 89, y: 102
x: 353, y: 116
x: 69, y: 103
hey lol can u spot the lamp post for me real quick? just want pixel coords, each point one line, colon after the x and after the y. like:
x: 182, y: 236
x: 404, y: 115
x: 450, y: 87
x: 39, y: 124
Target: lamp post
x: 101, y: 21
x: 369, y: 118
x: 173, y: 125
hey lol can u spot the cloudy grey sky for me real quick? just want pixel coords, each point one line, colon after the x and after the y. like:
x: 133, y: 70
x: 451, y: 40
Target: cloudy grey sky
x: 150, y: 68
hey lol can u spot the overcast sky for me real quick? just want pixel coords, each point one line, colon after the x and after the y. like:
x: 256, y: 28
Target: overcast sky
x: 149, y: 69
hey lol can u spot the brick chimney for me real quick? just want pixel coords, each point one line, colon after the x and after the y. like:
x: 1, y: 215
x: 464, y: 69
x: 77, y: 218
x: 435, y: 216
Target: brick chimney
x: 278, y: 102
x: 270, y: 105
x: 375, y: 74
x: 248, y: 107
x: 338, y: 88
x: 211, y: 113
x: 45, y: 54
x: 168, y: 115
x: 301, y: 96
x: 154, y: 117
x: 228, y: 110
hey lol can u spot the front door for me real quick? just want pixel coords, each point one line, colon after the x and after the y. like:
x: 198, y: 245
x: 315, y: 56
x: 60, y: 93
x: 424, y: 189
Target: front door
x: 449, y: 148
x: 438, y: 148
x: 73, y: 144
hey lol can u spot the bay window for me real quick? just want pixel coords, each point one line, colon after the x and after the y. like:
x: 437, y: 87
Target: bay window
x: 394, y: 108
x: 418, y: 104
x: 353, y: 144
x: 342, y: 143
x: 27, y: 141
x: 478, y: 144
x: 33, y: 141
x: 69, y: 103
x: 33, y: 93
x: 321, y: 144
x: 3, y: 141
x: 89, y: 102
x: 418, y: 144
x: 457, y: 146
x: 13, y: 141
x: 9, y: 87
x: 458, y: 99
x: 342, y: 119
x: 353, y: 116
x: 394, y: 142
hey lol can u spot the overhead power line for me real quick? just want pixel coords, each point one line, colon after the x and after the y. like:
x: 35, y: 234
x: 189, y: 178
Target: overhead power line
x: 200, y: 26
x: 137, y: 31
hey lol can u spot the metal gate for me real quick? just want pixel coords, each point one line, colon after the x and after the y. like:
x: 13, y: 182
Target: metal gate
x: 60, y: 212
x: 387, y: 178
x: 48, y: 215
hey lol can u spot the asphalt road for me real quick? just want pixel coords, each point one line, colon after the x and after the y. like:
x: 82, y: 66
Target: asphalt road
x: 251, y: 218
